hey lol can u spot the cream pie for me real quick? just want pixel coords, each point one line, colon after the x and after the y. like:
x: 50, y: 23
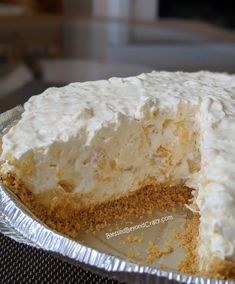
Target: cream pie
x: 97, y: 151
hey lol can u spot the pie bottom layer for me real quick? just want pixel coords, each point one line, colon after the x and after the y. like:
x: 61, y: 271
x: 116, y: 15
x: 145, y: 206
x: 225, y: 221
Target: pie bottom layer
x: 68, y: 213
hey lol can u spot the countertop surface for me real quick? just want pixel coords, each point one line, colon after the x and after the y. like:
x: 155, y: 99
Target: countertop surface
x: 22, y: 264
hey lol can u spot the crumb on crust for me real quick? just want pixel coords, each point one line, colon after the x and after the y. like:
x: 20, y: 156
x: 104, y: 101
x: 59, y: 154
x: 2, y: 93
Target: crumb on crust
x: 189, y: 241
x: 133, y: 256
x: 154, y: 251
x: 134, y: 239
x: 168, y: 247
x: 162, y: 266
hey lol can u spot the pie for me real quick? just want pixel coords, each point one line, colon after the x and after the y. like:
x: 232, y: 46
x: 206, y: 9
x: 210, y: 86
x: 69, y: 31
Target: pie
x: 90, y: 153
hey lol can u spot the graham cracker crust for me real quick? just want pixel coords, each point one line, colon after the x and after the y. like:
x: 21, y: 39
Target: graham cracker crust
x: 189, y: 241
x: 218, y: 268
x: 221, y: 269
x: 67, y: 214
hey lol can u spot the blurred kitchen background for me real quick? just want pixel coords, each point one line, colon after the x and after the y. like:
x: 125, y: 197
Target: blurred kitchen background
x: 54, y: 42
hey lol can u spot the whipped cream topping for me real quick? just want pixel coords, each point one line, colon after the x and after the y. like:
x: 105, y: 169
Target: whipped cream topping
x: 103, y: 139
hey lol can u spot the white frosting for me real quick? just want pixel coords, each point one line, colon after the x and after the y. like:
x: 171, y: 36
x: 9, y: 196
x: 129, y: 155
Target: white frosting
x: 106, y: 137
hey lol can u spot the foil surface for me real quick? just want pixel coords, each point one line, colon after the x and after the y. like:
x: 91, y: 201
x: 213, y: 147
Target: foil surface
x: 98, y: 253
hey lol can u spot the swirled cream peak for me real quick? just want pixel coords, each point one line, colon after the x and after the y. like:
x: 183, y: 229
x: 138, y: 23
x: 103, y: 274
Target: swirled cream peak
x: 104, y: 139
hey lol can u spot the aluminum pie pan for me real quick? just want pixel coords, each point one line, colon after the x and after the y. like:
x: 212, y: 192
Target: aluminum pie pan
x: 19, y: 224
